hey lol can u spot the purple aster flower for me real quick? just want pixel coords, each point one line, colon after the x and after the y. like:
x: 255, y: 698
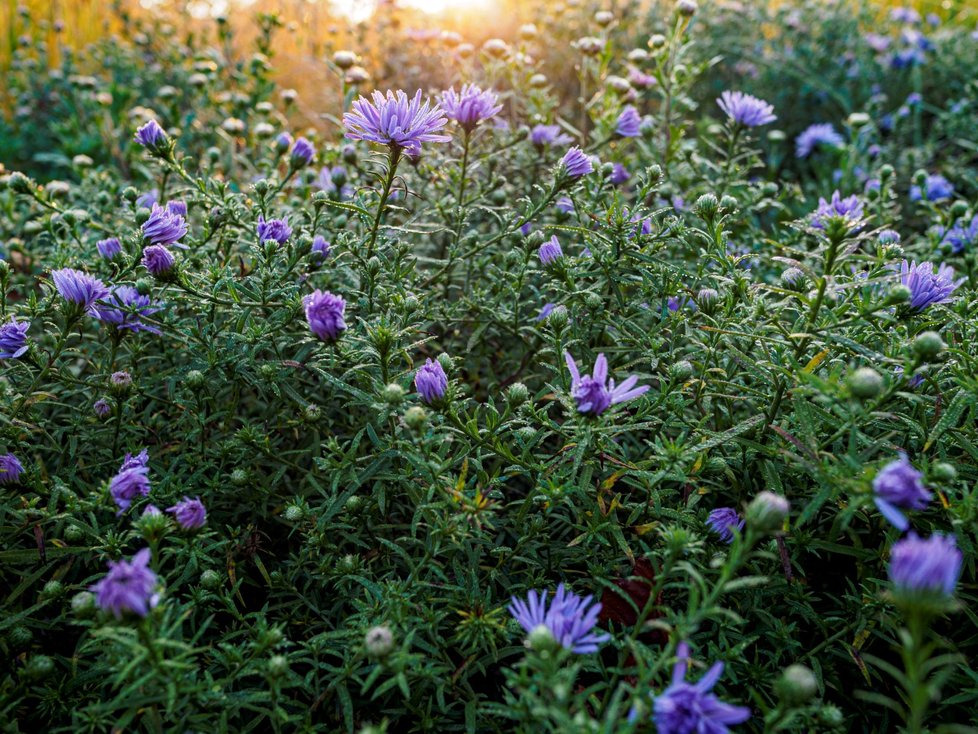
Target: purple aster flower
x: 568, y: 617
x: 151, y: 136
x: 302, y: 153
x: 128, y: 587
x: 78, y: 288
x: 690, y: 708
x: 124, y: 309
x: 102, y: 408
x: 164, y: 227
x: 547, y: 309
x: 177, y: 207
x: 396, y: 121
x: 549, y: 136
x: 550, y: 251
x: 121, y: 379
x: 914, y: 381
x: 929, y: 566
x: 430, y: 381
x: 619, y: 175
x: 594, y: 393
x: 319, y: 249
x: 189, y: 513
x: 961, y: 236
x: 131, y: 481
x: 565, y: 205
x: 158, y: 260
x: 470, y: 106
x: 109, y: 248
x: 888, y: 237
x: 151, y: 510
x: 816, y: 135
x: 10, y: 469
x: 576, y: 164
x: 145, y: 201
x: 724, y: 521
x: 905, y: 15
x: 675, y: 303
x: 334, y: 181
x: 324, y: 312
x: 273, y: 229
x: 13, y: 338
x: 745, y: 109
x: 898, y: 486
x: 927, y: 287
x: 629, y: 124
x: 936, y: 188
x: 849, y: 208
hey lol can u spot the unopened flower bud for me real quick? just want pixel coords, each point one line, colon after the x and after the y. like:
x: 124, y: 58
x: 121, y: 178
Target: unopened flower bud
x: 767, y: 512
x: 797, y: 685
x: 379, y: 641
x: 865, y: 383
x: 927, y: 345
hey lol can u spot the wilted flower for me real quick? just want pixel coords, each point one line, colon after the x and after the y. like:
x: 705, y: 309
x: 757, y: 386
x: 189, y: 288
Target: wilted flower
x: 13, y: 338
x: 124, y: 308
x: 129, y: 586
x: 157, y: 260
x: 430, y: 381
x: 576, y: 164
x: 189, y: 513
x: 849, y: 208
x: 898, y: 486
x: 929, y: 566
x: 324, y: 312
x: 273, y: 229
x: 629, y: 123
x: 724, y: 521
x: 109, y: 248
x: 470, y: 106
x: 927, y: 287
x: 546, y: 136
x: 10, y: 469
x: 569, y: 618
x: 102, y: 408
x: 745, y: 109
x: 815, y: 135
x: 120, y: 379
x: 164, y: 227
x: 935, y: 188
x: 151, y: 136
x: 690, y: 708
x: 396, y: 121
x: 131, y: 481
x: 78, y: 288
x: 550, y: 251
x: 594, y: 393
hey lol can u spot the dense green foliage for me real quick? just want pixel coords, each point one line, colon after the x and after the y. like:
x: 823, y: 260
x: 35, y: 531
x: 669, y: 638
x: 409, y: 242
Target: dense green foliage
x: 338, y: 501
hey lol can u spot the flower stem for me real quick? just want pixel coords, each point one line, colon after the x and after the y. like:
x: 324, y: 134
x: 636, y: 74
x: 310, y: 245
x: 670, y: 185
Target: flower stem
x: 395, y: 157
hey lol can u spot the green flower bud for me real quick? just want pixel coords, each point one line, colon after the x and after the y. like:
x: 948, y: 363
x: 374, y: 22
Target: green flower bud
x: 898, y: 294
x: 865, y: 383
x: 707, y: 206
x: 194, y: 379
x: 886, y: 172
x: 210, y: 580
x: 19, y: 637
x: 446, y: 362
x: 83, y: 604
x: 959, y: 208
x: 278, y: 665
x: 517, y: 394
x: 40, y: 667
x: 729, y: 203
x: 681, y: 370
x: 415, y: 417
x: 379, y: 641
x: 74, y: 533
x: 52, y: 589
x: 294, y: 513
x: 797, y: 685
x: 393, y: 394
x: 927, y: 345
x: 943, y: 472
x: 541, y: 639
x: 239, y: 477
x: 767, y: 512
x: 142, y: 214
